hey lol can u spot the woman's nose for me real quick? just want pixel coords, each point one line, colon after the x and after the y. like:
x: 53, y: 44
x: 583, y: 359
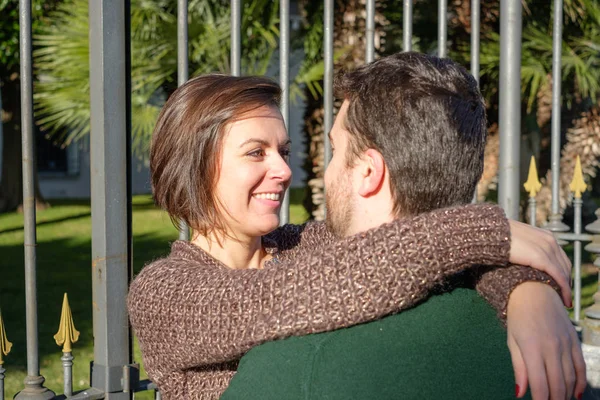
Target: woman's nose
x: 281, y: 169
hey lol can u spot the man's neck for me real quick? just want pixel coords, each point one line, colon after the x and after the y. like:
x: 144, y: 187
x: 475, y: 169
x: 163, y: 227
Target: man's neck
x: 371, y: 214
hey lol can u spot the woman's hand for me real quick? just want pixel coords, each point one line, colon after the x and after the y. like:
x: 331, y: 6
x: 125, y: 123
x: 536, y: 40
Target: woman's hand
x: 543, y: 344
x: 537, y: 248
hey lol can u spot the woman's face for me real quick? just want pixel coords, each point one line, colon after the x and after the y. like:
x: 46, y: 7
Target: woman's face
x: 254, y: 173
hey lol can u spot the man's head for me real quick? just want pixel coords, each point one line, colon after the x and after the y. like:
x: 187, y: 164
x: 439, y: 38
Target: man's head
x: 412, y: 128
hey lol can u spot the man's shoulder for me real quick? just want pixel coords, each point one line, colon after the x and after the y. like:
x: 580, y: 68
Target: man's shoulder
x: 448, y: 345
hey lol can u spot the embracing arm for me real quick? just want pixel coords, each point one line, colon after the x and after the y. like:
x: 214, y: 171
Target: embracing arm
x: 187, y: 314
x: 495, y: 284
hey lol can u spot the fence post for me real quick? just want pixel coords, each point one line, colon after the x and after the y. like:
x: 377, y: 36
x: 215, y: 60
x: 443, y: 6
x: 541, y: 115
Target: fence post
x: 510, y: 106
x: 284, y: 81
x: 475, y: 40
x: 327, y: 83
x: 591, y: 327
x: 328, y: 77
x: 109, y: 193
x: 34, y: 382
x: 407, y: 22
x: 236, y: 37
x: 5, y: 347
x: 66, y: 336
x: 532, y: 186
x: 370, y: 32
x: 578, y: 186
x: 555, y: 223
x: 182, y: 73
x: 442, y: 27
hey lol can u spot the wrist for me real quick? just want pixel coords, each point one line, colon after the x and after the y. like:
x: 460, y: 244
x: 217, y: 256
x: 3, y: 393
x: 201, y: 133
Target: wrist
x: 530, y: 292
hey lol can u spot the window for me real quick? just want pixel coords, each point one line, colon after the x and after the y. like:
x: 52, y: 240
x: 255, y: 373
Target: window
x: 55, y: 160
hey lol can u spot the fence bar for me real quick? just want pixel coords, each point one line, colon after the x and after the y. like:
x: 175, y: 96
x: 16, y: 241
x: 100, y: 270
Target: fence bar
x: 2, y: 371
x: 284, y: 81
x: 475, y: 11
x: 182, y: 72
x: 34, y: 382
x: 577, y: 204
x: 555, y: 223
x: 591, y: 327
x: 442, y: 27
x: 67, y: 363
x: 475, y: 8
x: 5, y: 347
x: 182, y: 42
x: 236, y: 37
x: 583, y: 237
x: 370, y: 33
x: 328, y: 78
x: 1, y: 132
x: 110, y: 241
x: 510, y: 106
x: 65, y: 337
x: 532, y: 211
x: 407, y: 24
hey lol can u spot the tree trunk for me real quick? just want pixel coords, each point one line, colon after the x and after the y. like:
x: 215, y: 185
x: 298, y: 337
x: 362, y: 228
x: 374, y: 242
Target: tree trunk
x: 11, y: 181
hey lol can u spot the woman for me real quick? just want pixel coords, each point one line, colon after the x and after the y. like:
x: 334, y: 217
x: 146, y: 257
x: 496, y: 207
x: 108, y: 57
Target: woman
x: 219, y: 163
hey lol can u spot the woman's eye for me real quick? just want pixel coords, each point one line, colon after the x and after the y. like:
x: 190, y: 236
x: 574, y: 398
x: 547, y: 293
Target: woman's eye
x: 257, y: 153
x: 285, y: 153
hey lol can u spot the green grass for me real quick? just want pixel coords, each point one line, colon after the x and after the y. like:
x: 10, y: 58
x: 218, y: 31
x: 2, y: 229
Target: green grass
x: 63, y: 265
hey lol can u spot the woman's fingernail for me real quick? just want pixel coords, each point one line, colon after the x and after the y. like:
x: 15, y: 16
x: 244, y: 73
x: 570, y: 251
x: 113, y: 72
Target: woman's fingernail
x: 579, y: 396
x: 517, y: 391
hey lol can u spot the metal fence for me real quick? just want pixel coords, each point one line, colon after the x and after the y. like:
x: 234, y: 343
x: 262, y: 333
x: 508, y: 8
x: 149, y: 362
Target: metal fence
x: 113, y: 374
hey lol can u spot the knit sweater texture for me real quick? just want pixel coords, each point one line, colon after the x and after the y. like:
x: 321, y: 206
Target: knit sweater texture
x: 194, y: 317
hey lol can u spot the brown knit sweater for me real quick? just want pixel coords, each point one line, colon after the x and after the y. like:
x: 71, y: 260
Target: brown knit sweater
x: 192, y: 314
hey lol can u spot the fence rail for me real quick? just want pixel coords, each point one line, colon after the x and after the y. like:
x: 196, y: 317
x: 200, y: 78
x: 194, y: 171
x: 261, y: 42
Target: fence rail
x: 114, y: 375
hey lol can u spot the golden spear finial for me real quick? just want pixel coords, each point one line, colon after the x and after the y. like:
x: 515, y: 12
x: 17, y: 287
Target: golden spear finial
x: 5, y: 345
x: 67, y: 334
x: 533, y: 184
x: 578, y: 185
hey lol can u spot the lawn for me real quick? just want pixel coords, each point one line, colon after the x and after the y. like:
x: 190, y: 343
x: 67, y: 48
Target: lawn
x: 63, y: 261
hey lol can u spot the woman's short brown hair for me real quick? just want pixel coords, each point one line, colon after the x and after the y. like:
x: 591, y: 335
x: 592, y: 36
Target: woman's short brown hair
x: 187, y: 141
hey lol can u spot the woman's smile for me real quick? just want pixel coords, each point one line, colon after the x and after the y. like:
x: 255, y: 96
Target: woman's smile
x: 269, y: 199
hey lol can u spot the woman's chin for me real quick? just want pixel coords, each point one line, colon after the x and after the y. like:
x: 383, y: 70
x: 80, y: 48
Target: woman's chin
x: 267, y: 225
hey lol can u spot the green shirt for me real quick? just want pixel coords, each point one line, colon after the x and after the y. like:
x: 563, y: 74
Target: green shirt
x: 449, y: 347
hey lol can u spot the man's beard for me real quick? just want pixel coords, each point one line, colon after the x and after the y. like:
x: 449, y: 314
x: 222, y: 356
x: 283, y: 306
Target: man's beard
x: 338, y: 200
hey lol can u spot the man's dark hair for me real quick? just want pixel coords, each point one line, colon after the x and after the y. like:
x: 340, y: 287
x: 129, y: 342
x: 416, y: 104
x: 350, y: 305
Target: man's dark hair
x: 427, y: 117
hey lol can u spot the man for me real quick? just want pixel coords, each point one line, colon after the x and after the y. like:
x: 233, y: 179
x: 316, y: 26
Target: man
x: 409, y: 138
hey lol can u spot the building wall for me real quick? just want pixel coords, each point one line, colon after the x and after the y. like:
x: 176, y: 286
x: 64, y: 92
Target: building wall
x: 76, y: 183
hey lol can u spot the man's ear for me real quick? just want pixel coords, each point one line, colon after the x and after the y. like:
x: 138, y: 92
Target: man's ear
x: 372, y: 173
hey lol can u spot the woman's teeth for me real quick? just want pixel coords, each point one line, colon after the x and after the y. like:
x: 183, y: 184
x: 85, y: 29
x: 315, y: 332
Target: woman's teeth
x: 267, y: 196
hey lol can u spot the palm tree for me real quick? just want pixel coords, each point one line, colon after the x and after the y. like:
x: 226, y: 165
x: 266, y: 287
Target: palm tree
x: 11, y: 180
x: 61, y: 59
x: 580, y: 85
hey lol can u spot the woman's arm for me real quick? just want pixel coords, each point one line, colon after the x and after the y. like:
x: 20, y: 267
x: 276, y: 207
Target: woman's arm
x: 495, y: 284
x: 187, y: 314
